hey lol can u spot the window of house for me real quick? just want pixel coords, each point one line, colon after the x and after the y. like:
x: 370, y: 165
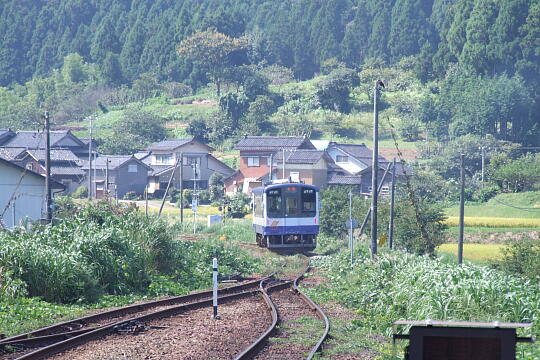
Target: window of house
x: 190, y: 160
x: 253, y: 161
x: 132, y: 168
x: 99, y: 186
x: 295, y: 176
x: 342, y: 159
x: 163, y: 159
x: 30, y: 166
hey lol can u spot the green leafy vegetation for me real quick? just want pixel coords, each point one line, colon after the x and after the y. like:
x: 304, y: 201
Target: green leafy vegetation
x: 100, y: 249
x: 402, y: 286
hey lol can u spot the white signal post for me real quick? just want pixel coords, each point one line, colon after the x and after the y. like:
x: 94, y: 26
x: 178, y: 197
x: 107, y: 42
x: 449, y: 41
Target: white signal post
x: 215, y: 289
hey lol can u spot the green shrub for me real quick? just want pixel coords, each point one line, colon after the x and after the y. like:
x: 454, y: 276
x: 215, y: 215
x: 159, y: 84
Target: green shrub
x: 487, y: 193
x: 81, y: 192
x: 101, y: 249
x: 132, y: 195
x: 522, y: 258
x: 402, y: 286
x: 239, y: 205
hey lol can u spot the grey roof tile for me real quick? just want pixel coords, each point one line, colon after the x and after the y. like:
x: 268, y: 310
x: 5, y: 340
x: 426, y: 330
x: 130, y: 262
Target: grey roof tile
x: 56, y: 155
x: 273, y: 143
x: 168, y: 144
x: 300, y: 156
x: 35, y: 139
x: 10, y: 153
x: 335, y: 179
x: 67, y: 170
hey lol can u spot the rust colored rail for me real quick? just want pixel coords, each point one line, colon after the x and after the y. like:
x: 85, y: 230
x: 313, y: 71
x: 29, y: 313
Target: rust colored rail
x: 320, y: 314
x: 253, y: 346
x: 107, y: 329
x: 250, y: 350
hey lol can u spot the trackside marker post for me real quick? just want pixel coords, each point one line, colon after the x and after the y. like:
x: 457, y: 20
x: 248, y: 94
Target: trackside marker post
x: 214, y: 280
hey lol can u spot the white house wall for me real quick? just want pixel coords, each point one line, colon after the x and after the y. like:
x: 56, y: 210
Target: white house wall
x: 353, y: 166
x: 28, y: 204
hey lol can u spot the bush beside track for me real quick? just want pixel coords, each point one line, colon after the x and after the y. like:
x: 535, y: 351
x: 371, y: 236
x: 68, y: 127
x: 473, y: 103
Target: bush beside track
x: 95, y: 251
x: 403, y: 286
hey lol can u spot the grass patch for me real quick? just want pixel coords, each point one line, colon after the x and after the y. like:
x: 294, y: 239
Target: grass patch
x: 525, y: 205
x: 479, y: 230
x: 475, y: 252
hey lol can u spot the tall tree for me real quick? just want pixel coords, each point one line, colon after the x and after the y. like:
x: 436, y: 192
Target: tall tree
x: 211, y: 50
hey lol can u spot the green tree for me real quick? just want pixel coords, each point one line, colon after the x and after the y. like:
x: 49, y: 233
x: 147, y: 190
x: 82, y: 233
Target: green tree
x: 333, y: 90
x: 74, y: 69
x: 136, y: 129
x: 211, y: 50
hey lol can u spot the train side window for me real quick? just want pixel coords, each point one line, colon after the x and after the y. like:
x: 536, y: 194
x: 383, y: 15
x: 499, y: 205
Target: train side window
x: 273, y: 203
x: 258, y: 205
x: 309, y: 202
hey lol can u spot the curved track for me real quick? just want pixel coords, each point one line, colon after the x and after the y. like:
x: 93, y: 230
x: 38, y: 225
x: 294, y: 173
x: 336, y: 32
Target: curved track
x: 253, y: 349
x: 66, y: 335
x: 60, y: 332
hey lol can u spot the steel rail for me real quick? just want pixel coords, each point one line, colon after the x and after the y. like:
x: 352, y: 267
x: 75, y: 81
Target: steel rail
x: 275, y: 319
x: 254, y: 345
x: 79, y: 323
x: 320, y: 313
x: 106, y: 329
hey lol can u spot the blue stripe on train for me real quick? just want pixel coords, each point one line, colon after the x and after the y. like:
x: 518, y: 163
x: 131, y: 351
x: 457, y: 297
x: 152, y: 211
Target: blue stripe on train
x: 285, y: 230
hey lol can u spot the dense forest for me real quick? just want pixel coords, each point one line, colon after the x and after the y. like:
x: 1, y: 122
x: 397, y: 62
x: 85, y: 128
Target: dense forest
x: 483, y: 55
x: 489, y: 36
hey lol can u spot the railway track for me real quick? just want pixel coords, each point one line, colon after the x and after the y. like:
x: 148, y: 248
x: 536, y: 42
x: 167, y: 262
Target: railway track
x: 158, y: 318
x: 283, y: 301
x: 97, y: 323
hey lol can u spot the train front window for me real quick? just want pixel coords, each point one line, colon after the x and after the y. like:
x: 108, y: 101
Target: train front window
x: 273, y: 201
x: 309, y: 202
x: 291, y: 205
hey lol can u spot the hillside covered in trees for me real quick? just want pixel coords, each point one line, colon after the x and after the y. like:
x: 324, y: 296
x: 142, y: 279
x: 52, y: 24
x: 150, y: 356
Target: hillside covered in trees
x: 489, y: 36
x: 473, y: 66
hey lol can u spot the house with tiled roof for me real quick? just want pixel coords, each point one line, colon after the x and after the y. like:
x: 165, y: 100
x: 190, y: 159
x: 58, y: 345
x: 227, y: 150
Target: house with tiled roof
x: 255, y: 159
x: 116, y: 175
x: 60, y: 139
x: 307, y: 166
x: 22, y: 194
x: 65, y: 165
x: 195, y: 168
x: 356, y: 160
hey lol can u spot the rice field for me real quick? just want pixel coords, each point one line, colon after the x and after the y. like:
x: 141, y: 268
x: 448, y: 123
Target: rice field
x: 498, y: 222
x: 475, y: 252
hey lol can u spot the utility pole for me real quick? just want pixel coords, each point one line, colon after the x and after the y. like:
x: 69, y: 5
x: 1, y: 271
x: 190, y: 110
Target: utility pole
x: 368, y: 215
x: 146, y: 200
x: 283, y: 164
x: 107, y: 178
x: 195, y: 200
x: 181, y: 188
x: 351, y: 228
x: 48, y: 199
x: 375, y: 169
x: 90, y: 161
x: 168, y: 186
x: 483, y: 163
x: 392, y: 197
x: 461, y: 211
x: 271, y: 165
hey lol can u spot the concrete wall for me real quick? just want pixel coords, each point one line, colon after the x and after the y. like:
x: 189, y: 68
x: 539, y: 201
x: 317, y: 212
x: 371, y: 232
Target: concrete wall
x: 29, y: 200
